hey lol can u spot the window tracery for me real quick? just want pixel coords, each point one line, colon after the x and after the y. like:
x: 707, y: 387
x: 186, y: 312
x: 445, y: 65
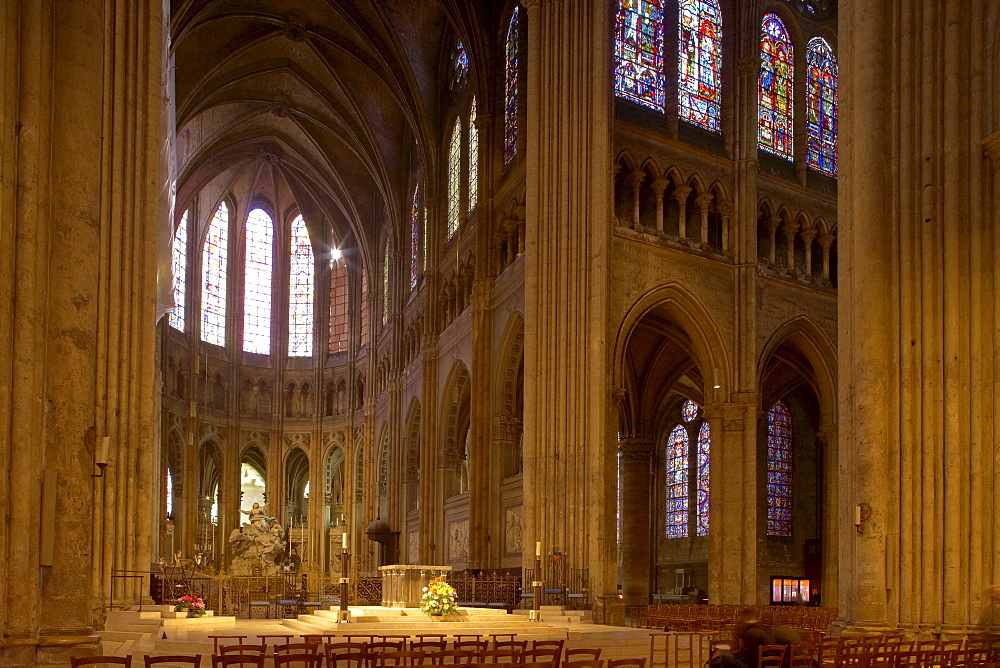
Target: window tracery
x: 257, y: 270
x: 415, y: 238
x: 821, y: 107
x: 214, y: 259
x: 510, y: 89
x: 779, y: 471
x: 639, y: 52
x: 677, y: 483
x: 177, y: 316
x: 301, y: 287
x: 699, y: 53
x: 774, y: 89
x: 473, y: 157
x: 454, y: 178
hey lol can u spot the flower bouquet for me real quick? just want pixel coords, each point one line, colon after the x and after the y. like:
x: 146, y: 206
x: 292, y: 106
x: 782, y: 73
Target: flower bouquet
x: 438, y: 598
x: 193, y: 604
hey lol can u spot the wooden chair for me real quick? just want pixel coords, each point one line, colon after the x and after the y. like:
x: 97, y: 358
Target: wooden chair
x: 548, y: 644
x: 241, y: 660
x: 625, y: 663
x: 771, y: 656
x: 584, y: 654
x: 98, y: 660
x: 500, y: 656
x: 297, y: 648
x: 347, y: 659
x: 242, y: 649
x: 185, y: 660
x: 477, y: 646
x: 519, y: 645
x: 397, y: 659
x: 216, y: 639
x: 298, y: 660
x: 541, y: 655
x: 428, y: 646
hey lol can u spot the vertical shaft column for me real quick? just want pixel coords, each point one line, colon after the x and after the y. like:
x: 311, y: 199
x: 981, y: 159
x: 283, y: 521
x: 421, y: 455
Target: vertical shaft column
x: 636, y: 458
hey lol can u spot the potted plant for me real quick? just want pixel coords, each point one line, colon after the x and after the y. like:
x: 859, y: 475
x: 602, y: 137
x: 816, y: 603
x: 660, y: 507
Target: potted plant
x: 438, y: 598
x: 193, y: 604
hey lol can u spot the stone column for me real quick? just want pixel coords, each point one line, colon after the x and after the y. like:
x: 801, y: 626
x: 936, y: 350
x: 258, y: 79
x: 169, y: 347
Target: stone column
x: 725, y: 210
x: 789, y: 229
x: 636, y: 539
x: 657, y: 187
x: 568, y: 434
x: 635, y: 180
x: 808, y: 235
x: 704, y: 202
x: 681, y: 193
x: 772, y: 250
x: 825, y: 241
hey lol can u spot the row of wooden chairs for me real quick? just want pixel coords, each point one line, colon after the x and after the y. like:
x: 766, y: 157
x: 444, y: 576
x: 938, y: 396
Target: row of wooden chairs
x: 865, y: 653
x: 312, y: 660
x: 722, y: 618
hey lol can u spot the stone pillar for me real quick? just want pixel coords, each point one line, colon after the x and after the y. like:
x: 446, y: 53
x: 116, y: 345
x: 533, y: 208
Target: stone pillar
x: 772, y: 250
x: 78, y: 210
x: 789, y: 229
x: 725, y: 210
x: 635, y: 180
x: 825, y: 241
x: 681, y: 193
x: 704, y: 202
x: 808, y: 235
x: 657, y: 187
x: 636, y: 540
x: 568, y: 434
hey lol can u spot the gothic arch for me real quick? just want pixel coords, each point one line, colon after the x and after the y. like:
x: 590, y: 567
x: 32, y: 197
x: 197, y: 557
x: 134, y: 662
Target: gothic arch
x: 818, y: 350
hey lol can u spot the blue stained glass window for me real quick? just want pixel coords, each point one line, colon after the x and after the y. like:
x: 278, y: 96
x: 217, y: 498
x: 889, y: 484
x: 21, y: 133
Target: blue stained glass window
x: 779, y: 471
x: 257, y: 283
x: 639, y: 52
x: 699, y: 68
x: 702, y: 479
x: 460, y: 64
x: 179, y: 252
x: 454, y: 178
x: 473, y: 157
x: 415, y: 238
x: 689, y: 410
x: 821, y: 107
x: 301, y: 287
x: 677, y: 483
x: 214, y: 259
x: 774, y: 89
x: 510, y: 90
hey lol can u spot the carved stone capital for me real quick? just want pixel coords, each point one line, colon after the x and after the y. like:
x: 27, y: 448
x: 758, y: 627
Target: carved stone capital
x: 658, y: 186
x: 725, y: 207
x: 772, y: 223
x: 635, y: 179
x: 790, y: 228
x: 826, y: 240
x: 636, y: 449
x: 808, y: 234
x: 704, y: 201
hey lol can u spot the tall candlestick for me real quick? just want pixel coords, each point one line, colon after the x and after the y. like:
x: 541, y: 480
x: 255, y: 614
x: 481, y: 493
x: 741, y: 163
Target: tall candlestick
x: 105, y: 447
x: 538, y: 549
x: 343, y: 541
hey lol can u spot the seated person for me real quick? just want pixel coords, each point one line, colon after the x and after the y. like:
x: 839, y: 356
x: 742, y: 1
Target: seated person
x: 749, y: 636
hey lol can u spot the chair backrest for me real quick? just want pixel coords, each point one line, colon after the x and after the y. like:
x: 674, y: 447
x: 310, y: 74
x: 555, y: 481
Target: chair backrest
x: 519, y: 645
x: 771, y: 655
x: 583, y: 663
x: 625, y: 663
x: 471, y: 645
x: 96, y: 660
x: 539, y: 644
x: 241, y: 660
x: 584, y: 654
x: 402, y: 658
x: 384, y: 646
x: 296, y: 648
x: 427, y: 646
x: 453, y: 657
x: 541, y: 655
x: 184, y: 660
x: 500, y: 656
x: 242, y: 649
x: 303, y: 660
x: 346, y: 659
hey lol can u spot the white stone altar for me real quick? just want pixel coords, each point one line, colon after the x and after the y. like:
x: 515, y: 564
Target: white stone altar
x: 401, y: 583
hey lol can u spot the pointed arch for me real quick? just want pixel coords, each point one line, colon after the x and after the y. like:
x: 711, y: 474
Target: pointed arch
x: 818, y: 349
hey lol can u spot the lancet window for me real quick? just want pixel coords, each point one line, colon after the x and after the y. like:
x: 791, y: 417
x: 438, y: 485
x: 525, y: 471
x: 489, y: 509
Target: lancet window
x: 699, y: 66
x: 639, y: 52
x: 821, y: 107
x: 774, y: 88
x: 779, y: 471
x: 176, y: 319
x: 415, y: 238
x: 339, y: 313
x: 511, y: 61
x: 454, y: 178
x: 460, y: 64
x: 301, y: 287
x: 385, y: 282
x: 214, y: 260
x: 687, y: 474
x: 473, y: 157
x: 257, y: 268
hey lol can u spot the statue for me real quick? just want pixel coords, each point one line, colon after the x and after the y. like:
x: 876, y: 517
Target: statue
x: 258, y: 547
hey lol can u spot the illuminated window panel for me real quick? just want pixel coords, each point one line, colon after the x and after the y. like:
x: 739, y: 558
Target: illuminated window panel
x: 454, y: 178
x: 510, y: 90
x: 460, y: 65
x: 257, y: 270
x: 699, y: 67
x: 364, y: 307
x: 339, y: 313
x: 214, y: 257
x: 415, y: 238
x: 689, y: 410
x: 301, y: 288
x: 176, y: 317
x: 702, y: 479
x: 677, y: 483
x: 774, y: 89
x: 779, y: 471
x: 639, y: 52
x: 385, y: 283
x: 821, y: 107
x: 473, y: 157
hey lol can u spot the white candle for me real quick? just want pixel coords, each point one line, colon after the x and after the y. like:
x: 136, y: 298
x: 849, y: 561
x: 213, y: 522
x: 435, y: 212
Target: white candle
x: 343, y: 540
x: 538, y: 549
x: 105, y: 446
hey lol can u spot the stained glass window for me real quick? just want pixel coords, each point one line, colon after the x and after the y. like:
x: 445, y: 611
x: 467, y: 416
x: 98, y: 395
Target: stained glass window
x: 364, y: 307
x: 699, y: 68
x: 779, y: 471
x: 415, y: 238
x: 170, y: 496
x: 176, y: 317
x: 214, y: 257
x: 689, y: 410
x: 257, y: 283
x: 454, y: 178
x: 473, y: 157
x: 774, y: 89
x: 639, y: 52
x: 300, y: 292
x: 338, y: 305
x: 460, y: 64
x: 821, y: 107
x: 702, y: 479
x: 677, y: 483
x: 385, y: 283
x: 510, y: 91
